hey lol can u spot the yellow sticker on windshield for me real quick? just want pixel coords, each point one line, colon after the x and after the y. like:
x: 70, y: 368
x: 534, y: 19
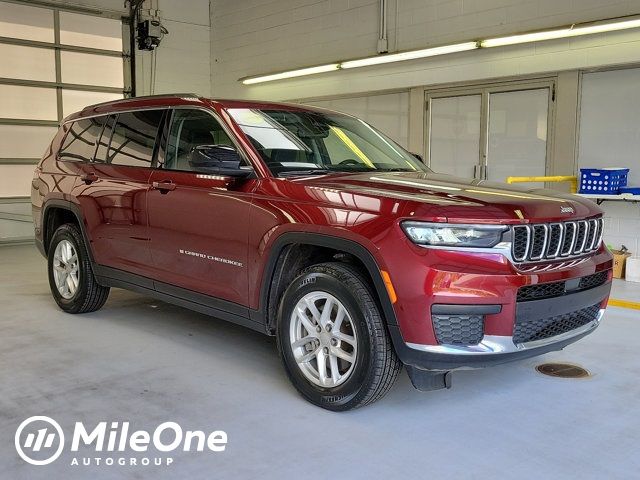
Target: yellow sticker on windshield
x: 352, y: 146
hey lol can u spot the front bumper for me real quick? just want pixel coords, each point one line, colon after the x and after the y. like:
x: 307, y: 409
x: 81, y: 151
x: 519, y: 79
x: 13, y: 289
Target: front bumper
x: 496, y: 349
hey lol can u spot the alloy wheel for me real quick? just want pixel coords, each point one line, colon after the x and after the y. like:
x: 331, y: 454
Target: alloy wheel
x: 323, y: 339
x: 66, y: 272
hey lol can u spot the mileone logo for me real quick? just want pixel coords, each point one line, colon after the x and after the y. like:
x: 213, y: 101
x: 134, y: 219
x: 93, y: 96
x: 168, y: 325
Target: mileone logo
x: 40, y: 440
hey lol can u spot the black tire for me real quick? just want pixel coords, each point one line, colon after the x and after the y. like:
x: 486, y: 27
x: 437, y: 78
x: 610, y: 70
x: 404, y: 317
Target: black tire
x: 89, y: 296
x: 376, y: 367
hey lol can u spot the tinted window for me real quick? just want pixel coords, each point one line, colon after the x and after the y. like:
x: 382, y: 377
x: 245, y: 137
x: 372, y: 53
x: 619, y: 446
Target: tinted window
x: 134, y: 137
x: 190, y: 129
x: 80, y: 142
x: 103, y: 144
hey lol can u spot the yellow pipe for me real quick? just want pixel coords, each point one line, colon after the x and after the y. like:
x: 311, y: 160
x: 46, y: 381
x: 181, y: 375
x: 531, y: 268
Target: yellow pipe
x: 554, y: 178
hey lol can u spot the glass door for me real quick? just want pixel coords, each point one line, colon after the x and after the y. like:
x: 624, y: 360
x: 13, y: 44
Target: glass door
x: 491, y: 132
x: 517, y: 134
x: 454, y: 145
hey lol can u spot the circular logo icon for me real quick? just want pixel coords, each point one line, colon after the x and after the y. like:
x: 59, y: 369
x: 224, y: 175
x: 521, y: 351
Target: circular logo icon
x: 39, y: 440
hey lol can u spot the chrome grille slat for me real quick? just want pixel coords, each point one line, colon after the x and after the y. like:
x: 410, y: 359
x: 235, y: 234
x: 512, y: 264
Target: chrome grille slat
x: 554, y: 250
x: 569, y: 241
x: 520, y: 250
x: 591, y: 234
x: 600, y: 232
x: 555, y: 241
x: 539, y: 241
x: 581, y: 237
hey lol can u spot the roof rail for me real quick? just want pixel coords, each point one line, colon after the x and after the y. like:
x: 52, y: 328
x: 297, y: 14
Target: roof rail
x: 161, y: 95
x: 142, y: 97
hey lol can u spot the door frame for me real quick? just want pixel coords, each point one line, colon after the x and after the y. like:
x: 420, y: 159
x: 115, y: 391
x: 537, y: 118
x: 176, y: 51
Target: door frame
x: 485, y: 90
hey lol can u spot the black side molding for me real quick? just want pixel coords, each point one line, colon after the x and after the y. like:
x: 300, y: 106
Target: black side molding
x: 198, y: 302
x: 73, y: 208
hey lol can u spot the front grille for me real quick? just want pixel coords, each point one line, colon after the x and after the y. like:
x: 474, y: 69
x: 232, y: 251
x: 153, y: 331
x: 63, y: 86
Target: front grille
x: 458, y: 329
x: 541, y: 328
x: 557, y: 289
x: 594, y: 280
x: 539, y: 242
x: 539, y: 291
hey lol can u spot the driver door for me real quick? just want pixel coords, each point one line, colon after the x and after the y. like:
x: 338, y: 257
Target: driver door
x: 198, y: 222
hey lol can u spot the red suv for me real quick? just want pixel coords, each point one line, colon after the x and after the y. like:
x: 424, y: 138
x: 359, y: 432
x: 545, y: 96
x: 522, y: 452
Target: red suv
x: 313, y: 226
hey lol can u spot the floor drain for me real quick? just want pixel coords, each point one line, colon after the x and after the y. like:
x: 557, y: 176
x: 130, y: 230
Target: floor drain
x: 562, y: 370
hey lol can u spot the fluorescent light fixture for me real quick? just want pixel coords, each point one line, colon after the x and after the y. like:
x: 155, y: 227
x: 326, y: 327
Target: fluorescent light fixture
x: 292, y: 73
x: 410, y: 55
x: 363, y: 62
x: 573, y: 31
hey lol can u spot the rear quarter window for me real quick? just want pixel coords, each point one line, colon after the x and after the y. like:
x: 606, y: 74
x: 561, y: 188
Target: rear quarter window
x: 80, y: 142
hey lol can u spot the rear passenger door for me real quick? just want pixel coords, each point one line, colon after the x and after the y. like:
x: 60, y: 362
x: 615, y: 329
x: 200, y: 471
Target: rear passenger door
x: 198, y: 222
x: 113, y: 189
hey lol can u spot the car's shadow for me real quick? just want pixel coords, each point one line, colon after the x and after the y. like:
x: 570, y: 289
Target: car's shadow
x: 255, y: 351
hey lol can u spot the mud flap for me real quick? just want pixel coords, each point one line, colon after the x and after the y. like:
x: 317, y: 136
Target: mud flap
x: 426, y: 380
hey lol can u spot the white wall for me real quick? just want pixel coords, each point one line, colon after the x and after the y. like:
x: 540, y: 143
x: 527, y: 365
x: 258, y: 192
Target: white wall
x: 183, y: 62
x: 610, y: 137
x: 260, y: 36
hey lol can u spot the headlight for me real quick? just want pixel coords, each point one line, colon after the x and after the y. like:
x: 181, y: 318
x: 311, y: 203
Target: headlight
x: 454, y: 235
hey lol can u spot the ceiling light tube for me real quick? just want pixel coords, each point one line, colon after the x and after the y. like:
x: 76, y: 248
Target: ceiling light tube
x: 410, y: 55
x: 574, y: 31
x: 292, y: 73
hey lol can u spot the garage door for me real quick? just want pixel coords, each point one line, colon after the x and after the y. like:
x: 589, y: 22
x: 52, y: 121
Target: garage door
x: 54, y: 62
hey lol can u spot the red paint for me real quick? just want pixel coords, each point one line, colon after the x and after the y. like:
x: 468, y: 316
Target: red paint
x: 136, y: 228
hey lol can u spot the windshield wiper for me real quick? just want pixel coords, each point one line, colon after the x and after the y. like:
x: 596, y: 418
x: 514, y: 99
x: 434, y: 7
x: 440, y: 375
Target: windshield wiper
x: 311, y: 171
x: 324, y: 171
x: 395, y: 170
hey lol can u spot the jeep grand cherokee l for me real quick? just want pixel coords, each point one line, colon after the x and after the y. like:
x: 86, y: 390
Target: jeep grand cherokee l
x: 313, y: 226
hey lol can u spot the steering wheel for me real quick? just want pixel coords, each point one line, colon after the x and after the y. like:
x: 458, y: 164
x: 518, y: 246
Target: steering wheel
x: 349, y: 161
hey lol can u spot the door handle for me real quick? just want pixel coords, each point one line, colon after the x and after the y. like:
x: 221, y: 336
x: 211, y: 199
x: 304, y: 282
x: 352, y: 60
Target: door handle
x: 89, y: 178
x: 164, y: 187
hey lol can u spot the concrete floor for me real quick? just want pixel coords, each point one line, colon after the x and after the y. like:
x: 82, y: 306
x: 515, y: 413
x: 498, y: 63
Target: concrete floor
x: 148, y: 362
x: 624, y: 290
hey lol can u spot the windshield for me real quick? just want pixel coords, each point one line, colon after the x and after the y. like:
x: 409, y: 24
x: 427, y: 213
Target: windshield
x: 308, y: 142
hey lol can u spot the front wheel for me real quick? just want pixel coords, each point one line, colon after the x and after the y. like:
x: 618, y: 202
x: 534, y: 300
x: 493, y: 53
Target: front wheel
x: 332, y: 339
x: 73, y: 285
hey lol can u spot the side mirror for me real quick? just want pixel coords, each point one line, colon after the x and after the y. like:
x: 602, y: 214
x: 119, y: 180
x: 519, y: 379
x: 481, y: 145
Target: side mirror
x: 219, y: 160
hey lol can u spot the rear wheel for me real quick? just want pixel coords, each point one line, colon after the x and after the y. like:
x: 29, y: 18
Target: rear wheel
x: 332, y: 339
x: 71, y: 279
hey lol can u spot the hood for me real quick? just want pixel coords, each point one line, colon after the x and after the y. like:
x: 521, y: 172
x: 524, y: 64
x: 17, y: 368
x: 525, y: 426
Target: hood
x: 438, y: 197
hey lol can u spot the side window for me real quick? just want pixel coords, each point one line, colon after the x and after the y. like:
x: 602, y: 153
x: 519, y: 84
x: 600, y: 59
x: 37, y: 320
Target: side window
x: 80, y: 142
x: 133, y: 138
x: 105, y: 138
x: 190, y: 129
